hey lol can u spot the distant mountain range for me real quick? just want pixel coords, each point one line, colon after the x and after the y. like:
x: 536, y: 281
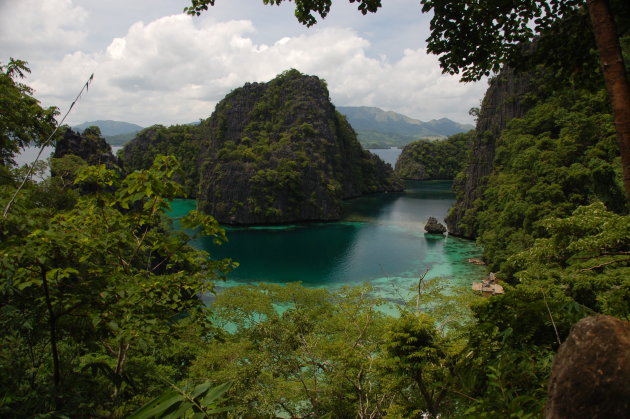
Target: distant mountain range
x: 377, y: 128
x: 114, y: 132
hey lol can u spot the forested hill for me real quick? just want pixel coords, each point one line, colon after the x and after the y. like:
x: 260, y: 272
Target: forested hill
x: 280, y: 152
x: 438, y: 159
x: 377, y: 128
x: 271, y: 152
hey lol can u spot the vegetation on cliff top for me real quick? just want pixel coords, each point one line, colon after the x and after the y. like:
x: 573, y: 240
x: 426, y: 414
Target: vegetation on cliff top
x: 439, y: 159
x: 182, y: 141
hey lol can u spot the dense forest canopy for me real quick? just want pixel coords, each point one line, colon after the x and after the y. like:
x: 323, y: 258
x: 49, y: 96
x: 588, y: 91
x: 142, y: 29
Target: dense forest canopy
x: 438, y: 159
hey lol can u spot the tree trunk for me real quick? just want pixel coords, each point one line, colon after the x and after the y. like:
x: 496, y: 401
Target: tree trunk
x: 52, y: 326
x: 616, y: 78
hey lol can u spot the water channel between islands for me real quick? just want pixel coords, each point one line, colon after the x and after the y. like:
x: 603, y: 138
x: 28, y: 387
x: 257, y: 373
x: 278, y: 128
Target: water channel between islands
x: 380, y: 241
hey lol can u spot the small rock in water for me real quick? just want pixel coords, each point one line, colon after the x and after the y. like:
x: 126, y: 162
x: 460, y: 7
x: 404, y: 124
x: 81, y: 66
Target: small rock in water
x: 433, y: 227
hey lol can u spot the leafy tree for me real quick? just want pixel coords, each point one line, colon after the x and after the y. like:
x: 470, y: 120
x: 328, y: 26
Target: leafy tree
x: 299, y: 351
x: 439, y: 159
x: 418, y: 351
x: 22, y: 120
x: 588, y: 254
x: 303, y: 8
x: 95, y: 296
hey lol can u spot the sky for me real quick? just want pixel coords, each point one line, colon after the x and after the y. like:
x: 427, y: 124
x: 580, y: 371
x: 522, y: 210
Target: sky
x: 153, y: 64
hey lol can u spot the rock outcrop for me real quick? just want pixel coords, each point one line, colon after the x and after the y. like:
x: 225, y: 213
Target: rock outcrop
x: 505, y: 99
x: 89, y: 146
x: 434, y: 227
x: 590, y: 377
x: 279, y: 152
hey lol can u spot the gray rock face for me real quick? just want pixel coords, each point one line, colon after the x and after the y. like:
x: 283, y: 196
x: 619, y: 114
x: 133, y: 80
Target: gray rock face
x: 279, y: 152
x: 590, y: 377
x: 503, y: 101
x: 434, y: 227
x: 90, y: 147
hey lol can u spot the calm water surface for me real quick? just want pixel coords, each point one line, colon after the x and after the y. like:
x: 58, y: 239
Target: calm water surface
x: 381, y: 241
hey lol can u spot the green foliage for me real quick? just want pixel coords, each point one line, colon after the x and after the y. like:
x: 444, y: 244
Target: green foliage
x: 22, y: 120
x: 304, y: 9
x: 587, y: 255
x: 418, y: 352
x: 199, y: 402
x: 491, y: 33
x: 579, y: 267
x: 439, y: 159
x: 298, y: 351
x: 182, y: 141
x: 561, y: 155
x: 99, y: 297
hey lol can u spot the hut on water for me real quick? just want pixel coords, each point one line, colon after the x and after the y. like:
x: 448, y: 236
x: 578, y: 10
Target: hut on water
x: 488, y: 286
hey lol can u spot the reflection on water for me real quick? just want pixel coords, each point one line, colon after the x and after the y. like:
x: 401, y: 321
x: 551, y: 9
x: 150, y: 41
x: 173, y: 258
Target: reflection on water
x: 381, y: 241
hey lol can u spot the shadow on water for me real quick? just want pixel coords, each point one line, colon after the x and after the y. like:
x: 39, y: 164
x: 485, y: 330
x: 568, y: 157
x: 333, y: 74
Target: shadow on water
x: 311, y: 254
x: 381, y: 241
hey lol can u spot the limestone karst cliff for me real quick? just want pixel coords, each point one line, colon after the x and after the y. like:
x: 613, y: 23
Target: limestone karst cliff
x: 279, y: 152
x: 505, y: 99
x: 270, y: 153
x: 89, y: 146
x: 182, y: 141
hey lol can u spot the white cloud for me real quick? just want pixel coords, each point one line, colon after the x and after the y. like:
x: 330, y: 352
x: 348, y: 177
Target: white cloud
x: 32, y: 29
x: 174, y: 70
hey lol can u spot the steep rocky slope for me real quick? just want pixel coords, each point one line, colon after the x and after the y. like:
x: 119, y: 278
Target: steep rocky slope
x: 90, y: 146
x: 279, y: 152
x: 507, y: 97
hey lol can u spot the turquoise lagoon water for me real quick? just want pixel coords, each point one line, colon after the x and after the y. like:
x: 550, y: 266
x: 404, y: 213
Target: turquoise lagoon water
x: 380, y: 241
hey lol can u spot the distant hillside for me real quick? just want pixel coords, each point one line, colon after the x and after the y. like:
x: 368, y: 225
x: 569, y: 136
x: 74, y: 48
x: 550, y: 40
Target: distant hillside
x: 114, y: 132
x: 377, y: 128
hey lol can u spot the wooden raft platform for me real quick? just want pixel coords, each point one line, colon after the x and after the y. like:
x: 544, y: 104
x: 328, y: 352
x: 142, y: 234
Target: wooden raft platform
x: 488, y: 287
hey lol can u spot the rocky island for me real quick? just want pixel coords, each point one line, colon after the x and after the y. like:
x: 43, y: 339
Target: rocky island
x: 434, y: 159
x: 270, y: 153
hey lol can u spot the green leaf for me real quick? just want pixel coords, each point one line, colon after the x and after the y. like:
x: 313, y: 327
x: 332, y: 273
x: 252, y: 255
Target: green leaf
x: 180, y: 412
x: 200, y: 389
x: 158, y: 406
x: 215, y: 393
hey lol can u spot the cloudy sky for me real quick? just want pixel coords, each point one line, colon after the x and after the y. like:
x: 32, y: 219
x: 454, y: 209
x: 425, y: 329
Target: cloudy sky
x: 153, y: 64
